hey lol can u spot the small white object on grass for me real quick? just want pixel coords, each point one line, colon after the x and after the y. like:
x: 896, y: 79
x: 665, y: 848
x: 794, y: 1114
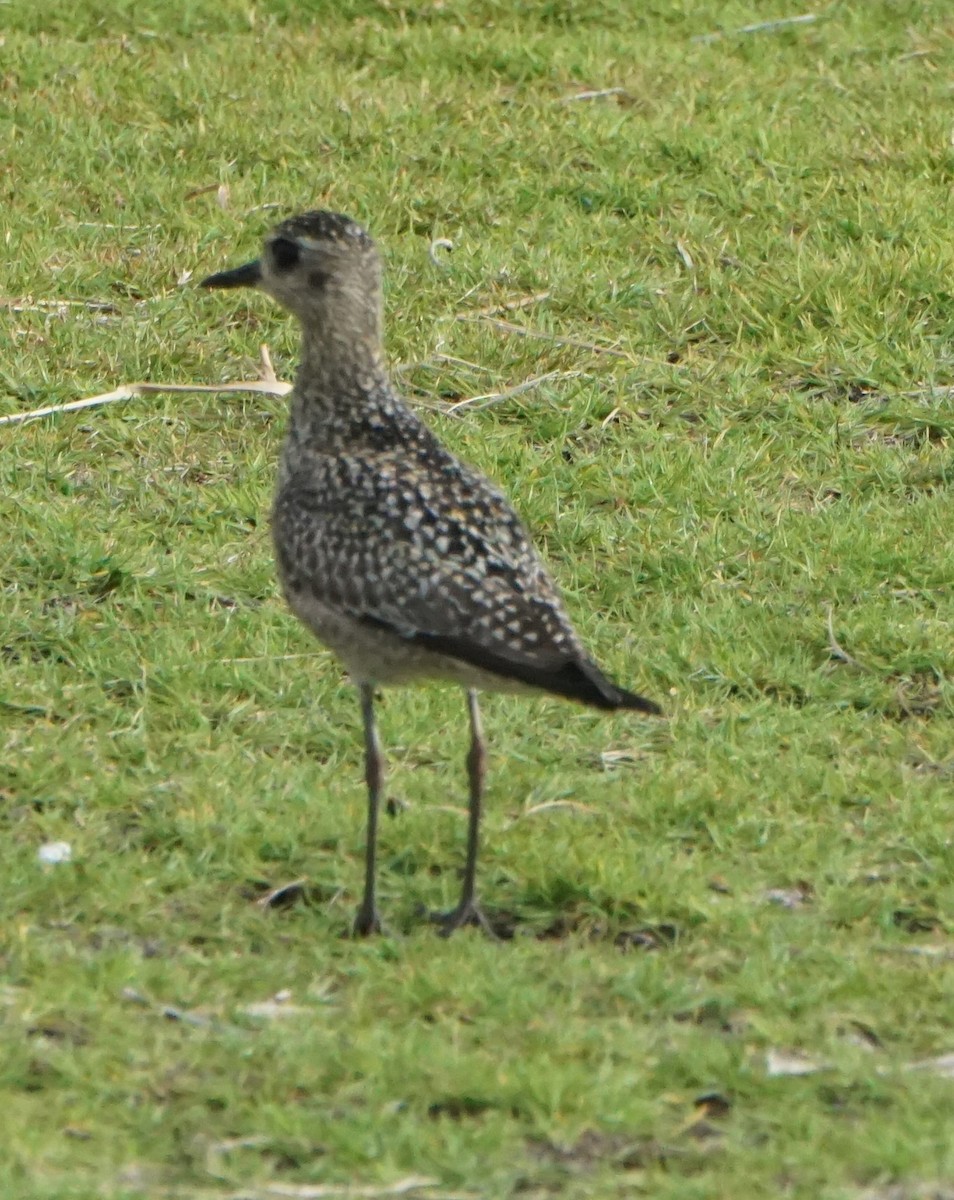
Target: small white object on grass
x: 278, y: 1005
x: 53, y: 853
x: 439, y: 244
x: 785, y: 1062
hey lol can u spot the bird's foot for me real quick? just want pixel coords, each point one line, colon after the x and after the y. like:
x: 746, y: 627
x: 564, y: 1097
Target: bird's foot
x: 466, y: 913
x: 366, y: 922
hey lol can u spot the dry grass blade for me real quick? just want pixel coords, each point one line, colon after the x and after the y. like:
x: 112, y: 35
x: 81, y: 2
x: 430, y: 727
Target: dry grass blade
x: 55, y: 307
x: 112, y: 225
x: 595, y: 94
x: 930, y: 952
x: 685, y: 256
x: 204, y: 190
x: 929, y: 393
x: 268, y: 371
x: 461, y: 362
x: 507, y: 306
x: 611, y: 759
x: 333, y: 1191
x: 553, y: 806
x: 259, y: 658
x: 779, y: 1063
x: 490, y: 398
x: 757, y: 27
x: 133, y: 391
x: 942, y: 1065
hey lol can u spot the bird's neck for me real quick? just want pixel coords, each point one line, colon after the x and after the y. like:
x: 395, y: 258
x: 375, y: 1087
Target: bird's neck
x: 335, y: 355
x: 343, y: 399
x: 341, y: 372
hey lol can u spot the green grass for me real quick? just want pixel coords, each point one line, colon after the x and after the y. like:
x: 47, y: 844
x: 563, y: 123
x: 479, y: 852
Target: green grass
x: 776, y: 445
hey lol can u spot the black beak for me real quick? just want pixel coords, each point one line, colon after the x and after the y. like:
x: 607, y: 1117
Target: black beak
x: 248, y: 275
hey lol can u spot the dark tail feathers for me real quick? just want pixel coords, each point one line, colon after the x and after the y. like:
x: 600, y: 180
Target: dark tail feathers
x: 576, y: 679
x: 586, y: 683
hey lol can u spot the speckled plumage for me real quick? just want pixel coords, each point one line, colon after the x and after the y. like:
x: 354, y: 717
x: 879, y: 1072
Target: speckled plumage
x: 407, y: 563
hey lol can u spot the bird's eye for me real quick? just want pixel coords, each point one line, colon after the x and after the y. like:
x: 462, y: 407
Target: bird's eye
x: 285, y: 254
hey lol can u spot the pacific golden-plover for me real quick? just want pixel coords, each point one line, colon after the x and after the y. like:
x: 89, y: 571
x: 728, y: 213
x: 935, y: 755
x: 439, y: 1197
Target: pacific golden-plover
x: 405, y: 562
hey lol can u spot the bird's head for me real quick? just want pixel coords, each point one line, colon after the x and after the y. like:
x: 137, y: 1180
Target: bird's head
x: 321, y: 266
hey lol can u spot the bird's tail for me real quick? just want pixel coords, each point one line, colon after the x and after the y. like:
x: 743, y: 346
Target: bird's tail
x: 635, y: 702
x: 575, y: 678
x: 585, y: 682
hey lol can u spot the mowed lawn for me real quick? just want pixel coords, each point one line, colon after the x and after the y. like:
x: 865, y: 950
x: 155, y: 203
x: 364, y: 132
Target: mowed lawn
x: 723, y: 269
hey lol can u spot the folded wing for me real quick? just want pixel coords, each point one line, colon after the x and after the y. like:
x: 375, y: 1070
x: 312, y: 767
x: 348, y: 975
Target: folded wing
x: 395, y: 547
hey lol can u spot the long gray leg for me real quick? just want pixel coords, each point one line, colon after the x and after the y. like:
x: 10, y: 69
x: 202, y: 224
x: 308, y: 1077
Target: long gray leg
x: 476, y: 772
x: 467, y: 911
x: 367, y: 921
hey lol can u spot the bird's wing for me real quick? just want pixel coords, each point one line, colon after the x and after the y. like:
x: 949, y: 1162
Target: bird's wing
x: 438, y: 552
x: 439, y: 558
x: 433, y: 552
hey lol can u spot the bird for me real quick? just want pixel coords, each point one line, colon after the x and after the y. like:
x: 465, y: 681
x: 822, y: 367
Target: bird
x: 408, y: 564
